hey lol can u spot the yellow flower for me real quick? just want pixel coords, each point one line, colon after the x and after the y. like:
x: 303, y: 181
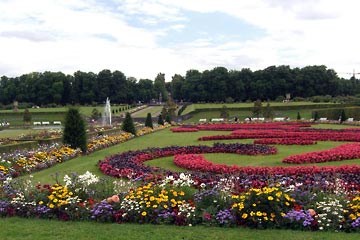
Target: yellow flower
x: 244, y: 216
x: 51, y: 205
x: 254, y: 205
x: 41, y: 202
x: 143, y: 214
x: 258, y: 213
x: 270, y: 198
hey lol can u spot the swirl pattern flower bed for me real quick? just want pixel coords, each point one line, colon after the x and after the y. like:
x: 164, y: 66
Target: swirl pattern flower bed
x: 129, y: 164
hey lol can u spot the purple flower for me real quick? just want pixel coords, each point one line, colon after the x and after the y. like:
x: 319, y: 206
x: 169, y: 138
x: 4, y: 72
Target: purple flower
x: 225, y: 217
x: 298, y: 216
x: 356, y: 223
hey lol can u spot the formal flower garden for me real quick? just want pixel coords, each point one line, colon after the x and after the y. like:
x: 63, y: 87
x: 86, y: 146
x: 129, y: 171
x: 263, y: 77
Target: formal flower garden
x: 322, y: 198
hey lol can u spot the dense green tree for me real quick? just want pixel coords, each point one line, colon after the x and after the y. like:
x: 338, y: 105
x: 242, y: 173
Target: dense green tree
x: 193, y: 88
x: 177, y: 84
x: 224, y: 113
x: 257, y: 108
x: 168, y: 111
x: 74, y: 133
x: 342, y: 116
x: 27, y: 116
x: 148, y: 121
x: 128, y: 124
x: 268, y: 111
x: 160, y: 87
x: 316, y: 116
x: 145, y: 91
x: 95, y: 114
x: 214, y: 85
x: 160, y: 120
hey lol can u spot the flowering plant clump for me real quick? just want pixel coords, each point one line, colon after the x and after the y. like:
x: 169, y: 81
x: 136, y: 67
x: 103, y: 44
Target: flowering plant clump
x: 103, y: 141
x: 330, y: 213
x: 299, y: 219
x: 60, y: 196
x: 352, y: 213
x: 262, y: 207
x: 102, y: 212
x: 148, y: 202
x: 83, y: 185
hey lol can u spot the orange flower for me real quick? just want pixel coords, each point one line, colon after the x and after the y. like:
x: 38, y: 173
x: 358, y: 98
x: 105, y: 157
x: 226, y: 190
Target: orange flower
x: 115, y: 198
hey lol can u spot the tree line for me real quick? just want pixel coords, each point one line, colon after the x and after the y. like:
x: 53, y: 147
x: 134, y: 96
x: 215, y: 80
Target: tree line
x: 216, y: 85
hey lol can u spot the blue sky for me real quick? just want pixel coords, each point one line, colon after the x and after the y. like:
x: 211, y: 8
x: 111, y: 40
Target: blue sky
x: 143, y: 38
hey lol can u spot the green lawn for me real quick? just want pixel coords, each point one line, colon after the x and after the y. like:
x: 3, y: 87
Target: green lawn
x: 151, y: 109
x: 292, y: 114
x: 251, y: 104
x: 29, y: 229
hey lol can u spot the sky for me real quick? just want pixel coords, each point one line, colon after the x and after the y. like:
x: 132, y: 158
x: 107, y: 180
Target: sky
x: 144, y: 38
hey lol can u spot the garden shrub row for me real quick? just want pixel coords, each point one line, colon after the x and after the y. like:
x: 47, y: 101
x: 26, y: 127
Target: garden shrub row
x: 335, y: 113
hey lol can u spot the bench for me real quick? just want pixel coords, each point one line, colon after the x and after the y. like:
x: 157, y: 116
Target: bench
x: 217, y: 120
x: 322, y: 119
x: 45, y: 123
x: 57, y: 123
x: 279, y: 119
x: 36, y: 123
x: 350, y: 120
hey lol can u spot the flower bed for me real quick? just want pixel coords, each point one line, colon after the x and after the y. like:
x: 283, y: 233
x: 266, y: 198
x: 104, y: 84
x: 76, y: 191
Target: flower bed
x: 309, y: 135
x: 284, y: 141
x: 255, y: 126
x: 184, y: 129
x: 30, y: 160
x: 180, y: 199
x: 339, y: 153
x: 129, y: 164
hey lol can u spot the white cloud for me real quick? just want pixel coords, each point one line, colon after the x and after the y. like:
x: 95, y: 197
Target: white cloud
x: 85, y: 35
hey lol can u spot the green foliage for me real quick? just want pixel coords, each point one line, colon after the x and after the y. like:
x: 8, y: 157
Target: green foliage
x: 128, y: 124
x: 74, y: 130
x: 229, y: 100
x: 257, y: 109
x: 268, y: 111
x: 342, y: 116
x: 316, y: 116
x: 95, y: 114
x: 167, y: 119
x: 224, y: 112
x: 213, y: 85
x: 181, y: 110
x: 168, y: 110
x: 148, y: 121
x: 335, y: 113
x: 160, y: 120
x: 298, y: 117
x: 27, y: 116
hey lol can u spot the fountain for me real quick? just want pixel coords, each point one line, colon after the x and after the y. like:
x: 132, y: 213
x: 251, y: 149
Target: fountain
x: 106, y: 114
